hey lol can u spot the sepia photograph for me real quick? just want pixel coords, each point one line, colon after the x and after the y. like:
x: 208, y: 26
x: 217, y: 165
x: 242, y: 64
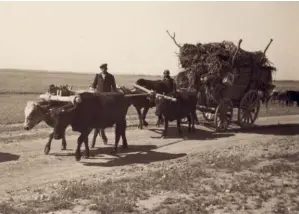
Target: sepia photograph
x: 149, y: 107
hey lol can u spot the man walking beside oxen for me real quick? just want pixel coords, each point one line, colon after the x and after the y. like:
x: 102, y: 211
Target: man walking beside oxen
x: 103, y: 82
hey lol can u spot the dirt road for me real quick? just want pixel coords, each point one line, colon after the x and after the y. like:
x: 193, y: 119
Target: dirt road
x: 23, y: 164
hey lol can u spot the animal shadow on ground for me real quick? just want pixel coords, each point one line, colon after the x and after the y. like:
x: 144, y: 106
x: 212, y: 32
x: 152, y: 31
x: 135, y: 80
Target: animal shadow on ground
x: 4, y: 157
x: 277, y: 129
x: 107, y: 150
x: 199, y: 134
x: 145, y: 157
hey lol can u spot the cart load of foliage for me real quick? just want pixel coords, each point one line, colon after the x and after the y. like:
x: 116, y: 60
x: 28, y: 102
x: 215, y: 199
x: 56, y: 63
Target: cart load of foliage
x: 218, y: 59
x: 62, y: 90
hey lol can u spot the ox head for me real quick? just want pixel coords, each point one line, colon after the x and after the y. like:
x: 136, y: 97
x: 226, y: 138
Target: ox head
x: 143, y: 83
x: 34, y: 113
x: 63, y: 118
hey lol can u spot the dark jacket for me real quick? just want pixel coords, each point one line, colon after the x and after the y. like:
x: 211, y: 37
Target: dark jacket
x: 171, y: 83
x: 104, y: 85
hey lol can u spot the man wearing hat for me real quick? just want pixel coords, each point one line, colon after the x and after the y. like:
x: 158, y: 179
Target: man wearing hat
x: 169, y: 80
x: 104, y: 81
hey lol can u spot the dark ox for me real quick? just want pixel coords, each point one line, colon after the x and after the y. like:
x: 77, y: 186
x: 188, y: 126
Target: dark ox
x: 292, y: 96
x: 184, y: 106
x: 36, y: 112
x: 159, y: 86
x: 282, y: 98
x: 274, y: 97
x: 94, y: 111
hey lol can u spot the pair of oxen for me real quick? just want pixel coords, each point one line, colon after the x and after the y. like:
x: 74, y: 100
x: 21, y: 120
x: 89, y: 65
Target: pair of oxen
x: 87, y: 111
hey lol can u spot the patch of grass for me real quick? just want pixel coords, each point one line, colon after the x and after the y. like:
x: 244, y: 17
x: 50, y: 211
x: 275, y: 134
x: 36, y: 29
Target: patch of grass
x: 276, y: 167
x: 6, y: 208
x: 52, y: 204
x: 183, y: 205
x: 232, y: 163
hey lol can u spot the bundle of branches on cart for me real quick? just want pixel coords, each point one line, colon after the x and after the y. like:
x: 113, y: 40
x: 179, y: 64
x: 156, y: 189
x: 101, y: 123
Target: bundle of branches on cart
x: 62, y: 90
x: 219, y: 58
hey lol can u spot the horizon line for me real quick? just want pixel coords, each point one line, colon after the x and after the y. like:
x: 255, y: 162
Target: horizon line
x: 80, y: 72
x: 65, y: 71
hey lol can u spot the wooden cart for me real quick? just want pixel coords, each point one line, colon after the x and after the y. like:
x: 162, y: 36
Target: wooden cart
x: 241, y: 94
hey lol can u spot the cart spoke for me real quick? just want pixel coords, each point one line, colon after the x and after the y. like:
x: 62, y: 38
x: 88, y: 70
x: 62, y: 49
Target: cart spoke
x: 251, y: 118
x: 248, y: 109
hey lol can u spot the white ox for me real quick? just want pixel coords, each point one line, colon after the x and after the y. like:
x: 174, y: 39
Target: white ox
x: 36, y: 112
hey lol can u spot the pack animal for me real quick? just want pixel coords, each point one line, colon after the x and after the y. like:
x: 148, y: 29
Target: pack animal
x: 282, y: 98
x: 292, y: 96
x: 159, y: 86
x: 274, y: 97
x: 36, y: 112
x: 93, y: 111
x: 184, y: 106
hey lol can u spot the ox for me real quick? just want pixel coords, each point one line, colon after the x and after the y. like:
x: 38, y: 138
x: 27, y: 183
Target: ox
x: 36, y: 112
x: 292, y: 96
x: 159, y: 86
x: 274, y: 97
x: 134, y: 100
x: 184, y: 106
x: 282, y: 98
x: 93, y: 111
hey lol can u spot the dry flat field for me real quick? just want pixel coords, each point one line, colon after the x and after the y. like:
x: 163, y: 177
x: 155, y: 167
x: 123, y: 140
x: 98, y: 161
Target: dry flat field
x: 241, y: 171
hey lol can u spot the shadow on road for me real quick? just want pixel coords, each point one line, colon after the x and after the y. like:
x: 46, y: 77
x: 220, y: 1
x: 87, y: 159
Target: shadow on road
x: 4, y: 157
x: 108, y: 150
x: 139, y: 158
x: 199, y: 134
x: 277, y: 129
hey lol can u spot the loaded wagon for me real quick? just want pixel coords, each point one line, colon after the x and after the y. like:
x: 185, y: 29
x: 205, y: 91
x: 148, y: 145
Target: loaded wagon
x: 239, y: 95
x: 226, y: 78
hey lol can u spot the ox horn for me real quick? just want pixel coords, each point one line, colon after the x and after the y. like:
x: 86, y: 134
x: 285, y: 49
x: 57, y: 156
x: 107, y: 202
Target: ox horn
x: 72, y: 99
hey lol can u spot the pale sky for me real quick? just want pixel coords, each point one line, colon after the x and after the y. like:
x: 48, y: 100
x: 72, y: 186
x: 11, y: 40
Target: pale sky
x: 131, y: 36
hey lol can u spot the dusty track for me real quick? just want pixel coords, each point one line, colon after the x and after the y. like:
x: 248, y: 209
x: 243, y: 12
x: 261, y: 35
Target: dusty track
x: 23, y: 164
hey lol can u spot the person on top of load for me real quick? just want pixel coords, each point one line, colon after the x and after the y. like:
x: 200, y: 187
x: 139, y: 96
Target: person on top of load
x: 169, y: 80
x: 104, y: 81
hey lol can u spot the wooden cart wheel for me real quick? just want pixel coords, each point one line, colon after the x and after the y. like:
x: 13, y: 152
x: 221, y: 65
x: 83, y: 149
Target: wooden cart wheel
x: 249, y: 109
x: 223, y: 115
x: 208, y: 116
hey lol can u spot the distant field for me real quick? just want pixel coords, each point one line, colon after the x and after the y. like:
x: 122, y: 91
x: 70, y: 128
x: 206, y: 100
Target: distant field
x: 18, y: 87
